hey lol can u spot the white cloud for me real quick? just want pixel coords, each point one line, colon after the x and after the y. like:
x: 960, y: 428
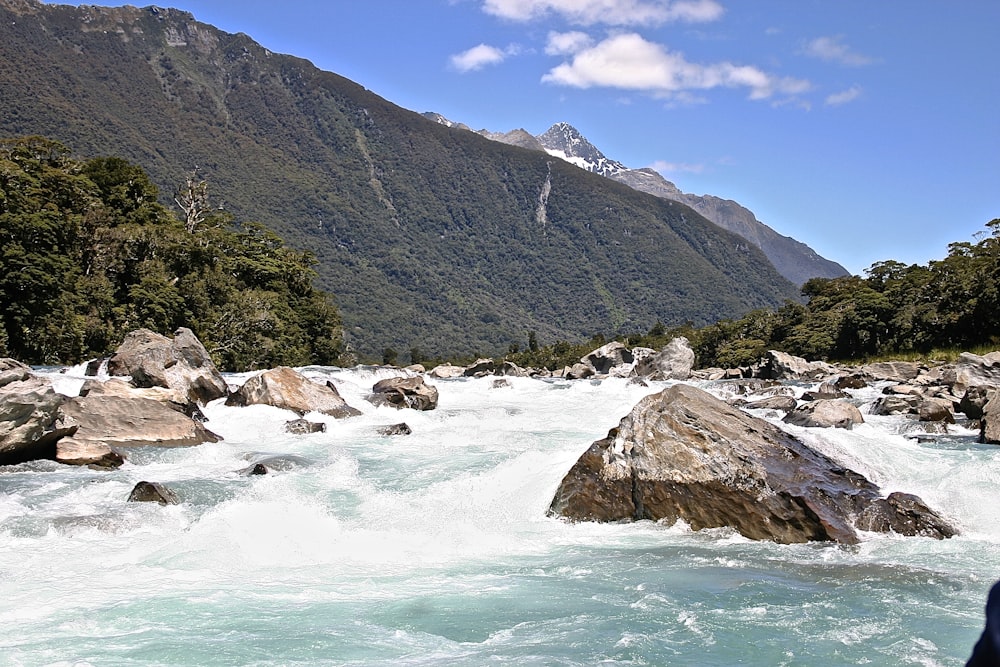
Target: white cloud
x: 844, y: 96
x: 567, y: 43
x: 665, y: 167
x: 608, y: 12
x: 478, y: 57
x: 832, y: 49
x: 630, y: 62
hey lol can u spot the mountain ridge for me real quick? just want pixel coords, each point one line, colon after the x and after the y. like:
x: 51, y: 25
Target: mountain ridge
x: 795, y: 260
x: 427, y: 237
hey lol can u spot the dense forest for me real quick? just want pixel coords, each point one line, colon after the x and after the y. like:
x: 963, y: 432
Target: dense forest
x: 89, y: 254
x: 897, y: 310
x: 428, y: 236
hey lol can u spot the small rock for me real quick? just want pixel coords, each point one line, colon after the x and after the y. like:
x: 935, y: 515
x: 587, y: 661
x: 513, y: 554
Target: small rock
x: 304, y: 427
x: 153, y: 492
x: 395, y: 429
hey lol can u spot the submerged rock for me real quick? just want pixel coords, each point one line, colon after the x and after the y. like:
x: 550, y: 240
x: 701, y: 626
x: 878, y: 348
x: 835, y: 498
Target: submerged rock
x: 304, y: 427
x: 683, y: 454
x: 395, y: 429
x: 405, y: 393
x: 153, y: 492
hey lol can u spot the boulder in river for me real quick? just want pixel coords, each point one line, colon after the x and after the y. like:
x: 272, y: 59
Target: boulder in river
x: 286, y: 388
x: 153, y: 492
x: 405, y: 393
x: 32, y: 419
x: 683, y: 454
x: 673, y: 362
x: 182, y: 364
x: 990, y: 424
x: 825, y: 413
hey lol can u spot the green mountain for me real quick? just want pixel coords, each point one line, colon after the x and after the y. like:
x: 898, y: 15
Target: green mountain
x: 428, y: 237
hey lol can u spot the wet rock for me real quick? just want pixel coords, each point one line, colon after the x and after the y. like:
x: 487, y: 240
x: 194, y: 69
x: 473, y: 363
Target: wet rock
x: 781, y: 366
x: 825, y: 414
x: 480, y: 368
x: 304, y: 427
x: 893, y: 371
x: 974, y: 399
x: 683, y: 454
x: 501, y: 384
x: 989, y: 429
x: 895, y: 405
x: 447, y: 371
x: 673, y: 362
x: 579, y: 371
x: 612, y: 358
x: 904, y: 514
x: 395, y: 429
x: 935, y: 410
x: 288, y: 389
x: 132, y: 420
x: 782, y: 403
x: 181, y: 364
x: 405, y: 393
x: 153, y: 492
x: 94, y: 453
x: 32, y: 417
x: 853, y: 381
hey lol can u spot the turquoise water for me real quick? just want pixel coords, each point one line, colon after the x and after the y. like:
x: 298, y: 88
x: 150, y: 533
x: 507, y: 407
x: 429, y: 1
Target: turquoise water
x: 434, y: 549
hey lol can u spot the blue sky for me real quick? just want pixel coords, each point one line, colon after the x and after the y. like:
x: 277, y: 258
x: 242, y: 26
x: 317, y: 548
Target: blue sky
x: 868, y: 129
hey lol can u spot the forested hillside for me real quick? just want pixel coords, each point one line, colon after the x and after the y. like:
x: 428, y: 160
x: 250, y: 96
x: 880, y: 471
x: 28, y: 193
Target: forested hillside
x: 89, y: 254
x: 427, y: 237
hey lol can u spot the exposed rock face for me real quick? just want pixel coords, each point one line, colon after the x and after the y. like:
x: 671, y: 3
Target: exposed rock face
x: 181, y: 364
x: 893, y: 371
x: 32, y: 420
x: 683, y: 454
x: 825, y: 413
x: 122, y: 420
x: 781, y: 366
x: 605, y: 360
x: 405, y: 393
x: 288, y: 389
x: 673, y: 362
x: 972, y: 370
x: 153, y: 492
x: 990, y: 424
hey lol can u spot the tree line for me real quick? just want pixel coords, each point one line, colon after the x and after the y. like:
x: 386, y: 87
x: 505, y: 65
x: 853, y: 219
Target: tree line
x: 89, y: 253
x: 896, y: 310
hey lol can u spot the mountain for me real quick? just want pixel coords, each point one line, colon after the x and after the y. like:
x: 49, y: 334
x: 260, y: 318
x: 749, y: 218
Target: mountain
x: 794, y: 260
x: 429, y: 237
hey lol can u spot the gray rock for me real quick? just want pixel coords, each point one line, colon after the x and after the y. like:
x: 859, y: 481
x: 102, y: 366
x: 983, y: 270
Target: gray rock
x: 936, y: 410
x: 673, y: 362
x: 974, y: 400
x: 895, y: 405
x: 972, y: 370
x: 133, y: 420
x: 579, y: 371
x: 153, y: 492
x: 93, y: 453
x: 989, y: 429
x: 405, y: 393
x: 304, y: 427
x: 288, y: 389
x: 12, y: 370
x: 683, y: 454
x: 781, y: 366
x: 395, y: 429
x: 32, y: 418
x: 893, y: 371
x: 447, y: 371
x: 609, y: 359
x: 782, y: 403
x: 480, y: 368
x: 824, y: 414
x: 181, y: 364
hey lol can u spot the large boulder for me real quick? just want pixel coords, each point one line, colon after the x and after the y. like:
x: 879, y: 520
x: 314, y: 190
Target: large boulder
x: 673, y: 362
x: 974, y: 400
x: 286, y: 388
x: 972, y: 370
x: 782, y: 366
x: 893, y: 371
x: 683, y: 454
x: 117, y: 419
x: 405, y: 393
x: 181, y: 364
x: 990, y: 423
x: 613, y: 358
x: 32, y: 420
x: 825, y: 413
x: 12, y: 370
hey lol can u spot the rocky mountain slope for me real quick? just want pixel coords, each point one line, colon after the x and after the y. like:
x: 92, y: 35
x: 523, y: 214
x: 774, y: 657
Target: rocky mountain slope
x: 428, y: 237
x: 794, y: 260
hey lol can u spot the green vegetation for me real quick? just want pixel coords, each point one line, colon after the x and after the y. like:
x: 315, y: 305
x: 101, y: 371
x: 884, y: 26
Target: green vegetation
x: 90, y: 254
x: 897, y: 311
x: 429, y: 236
